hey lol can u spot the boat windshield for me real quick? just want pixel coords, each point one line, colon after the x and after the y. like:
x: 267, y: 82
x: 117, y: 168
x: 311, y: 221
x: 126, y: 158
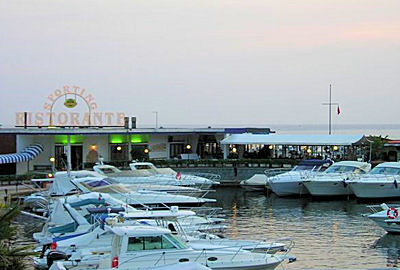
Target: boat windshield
x: 109, y: 170
x: 166, y: 241
x: 97, y: 183
x: 385, y: 170
x: 305, y: 167
x: 343, y: 169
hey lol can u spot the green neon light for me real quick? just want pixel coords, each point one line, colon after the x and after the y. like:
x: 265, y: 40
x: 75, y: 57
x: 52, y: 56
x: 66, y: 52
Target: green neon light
x: 63, y: 139
x: 135, y: 138
x: 117, y: 138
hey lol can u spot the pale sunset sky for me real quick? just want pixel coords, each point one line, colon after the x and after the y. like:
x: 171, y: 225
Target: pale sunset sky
x: 206, y: 62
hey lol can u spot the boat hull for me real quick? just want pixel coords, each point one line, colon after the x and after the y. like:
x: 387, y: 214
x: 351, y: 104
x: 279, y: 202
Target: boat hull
x: 321, y: 188
x: 288, y: 188
x: 375, y: 190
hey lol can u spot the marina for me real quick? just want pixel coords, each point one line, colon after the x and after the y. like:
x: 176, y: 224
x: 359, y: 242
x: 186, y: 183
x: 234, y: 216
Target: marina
x: 199, y: 135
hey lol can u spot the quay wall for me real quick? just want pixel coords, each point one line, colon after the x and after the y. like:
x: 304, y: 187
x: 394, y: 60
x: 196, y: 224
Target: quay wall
x: 227, y: 174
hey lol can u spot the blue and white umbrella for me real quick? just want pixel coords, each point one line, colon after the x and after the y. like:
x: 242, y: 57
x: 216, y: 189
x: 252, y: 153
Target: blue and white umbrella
x: 27, y: 154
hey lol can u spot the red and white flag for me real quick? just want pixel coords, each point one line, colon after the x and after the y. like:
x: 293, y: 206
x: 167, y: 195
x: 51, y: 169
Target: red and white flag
x: 338, y: 109
x: 178, y: 176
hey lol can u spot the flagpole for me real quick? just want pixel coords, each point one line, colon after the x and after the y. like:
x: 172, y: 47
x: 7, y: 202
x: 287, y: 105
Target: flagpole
x: 330, y: 109
x: 330, y: 103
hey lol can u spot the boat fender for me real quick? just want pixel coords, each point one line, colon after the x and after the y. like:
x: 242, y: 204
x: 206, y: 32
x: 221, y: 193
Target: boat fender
x: 392, y: 213
x: 344, y: 183
x: 56, y: 255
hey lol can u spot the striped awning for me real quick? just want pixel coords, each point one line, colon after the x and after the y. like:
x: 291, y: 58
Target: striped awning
x: 27, y: 154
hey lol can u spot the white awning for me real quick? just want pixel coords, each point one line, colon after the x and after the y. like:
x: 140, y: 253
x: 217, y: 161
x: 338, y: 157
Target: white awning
x: 276, y: 139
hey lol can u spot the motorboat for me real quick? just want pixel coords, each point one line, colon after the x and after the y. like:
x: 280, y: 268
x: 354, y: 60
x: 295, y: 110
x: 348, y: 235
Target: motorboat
x: 257, y: 182
x: 197, y: 178
x: 386, y: 217
x: 140, y: 198
x: 99, y: 238
x: 141, y: 247
x: 383, y: 181
x: 174, y: 266
x: 332, y: 182
x: 140, y: 176
x: 291, y: 183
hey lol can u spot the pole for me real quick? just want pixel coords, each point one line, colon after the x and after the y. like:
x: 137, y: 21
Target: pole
x: 330, y: 109
x: 330, y: 103
x: 156, y: 118
x: 69, y: 165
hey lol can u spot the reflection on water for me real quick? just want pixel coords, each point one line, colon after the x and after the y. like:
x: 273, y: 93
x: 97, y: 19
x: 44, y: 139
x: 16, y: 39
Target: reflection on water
x: 328, y: 234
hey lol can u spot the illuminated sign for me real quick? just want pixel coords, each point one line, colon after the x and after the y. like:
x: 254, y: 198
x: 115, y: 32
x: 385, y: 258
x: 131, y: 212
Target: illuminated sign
x: 73, y: 96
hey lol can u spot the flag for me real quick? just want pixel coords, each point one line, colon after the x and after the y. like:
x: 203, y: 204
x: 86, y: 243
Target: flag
x: 338, y: 109
x: 178, y: 176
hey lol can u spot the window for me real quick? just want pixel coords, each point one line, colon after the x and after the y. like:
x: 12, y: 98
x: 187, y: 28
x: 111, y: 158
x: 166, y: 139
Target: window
x: 343, y: 169
x: 175, y: 150
x: 175, y: 241
x: 135, y: 244
x: 153, y: 242
x: 385, y: 170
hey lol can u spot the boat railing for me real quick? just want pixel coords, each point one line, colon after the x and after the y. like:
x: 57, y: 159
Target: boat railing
x: 129, y: 199
x: 384, y: 177
x: 375, y: 208
x: 275, y: 172
x: 209, y: 176
x: 203, y: 255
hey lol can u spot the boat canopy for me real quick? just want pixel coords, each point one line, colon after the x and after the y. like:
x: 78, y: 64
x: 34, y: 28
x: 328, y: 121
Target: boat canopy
x: 364, y: 166
x: 62, y: 184
x: 277, y: 139
x: 138, y: 230
x: 27, y: 154
x: 314, y: 162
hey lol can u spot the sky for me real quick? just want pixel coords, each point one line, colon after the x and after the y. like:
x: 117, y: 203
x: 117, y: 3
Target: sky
x: 206, y: 62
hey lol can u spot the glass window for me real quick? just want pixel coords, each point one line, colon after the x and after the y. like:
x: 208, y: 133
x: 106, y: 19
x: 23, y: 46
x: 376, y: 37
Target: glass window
x: 154, y: 242
x: 135, y: 243
x: 385, y: 170
x: 175, y: 241
x: 343, y: 169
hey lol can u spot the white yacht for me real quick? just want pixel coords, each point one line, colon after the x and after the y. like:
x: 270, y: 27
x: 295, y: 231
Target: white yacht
x: 383, y: 181
x: 332, y: 182
x: 141, y: 247
x: 150, y: 176
x: 291, y: 183
x: 140, y: 198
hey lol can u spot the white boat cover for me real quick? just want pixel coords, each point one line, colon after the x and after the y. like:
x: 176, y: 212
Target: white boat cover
x: 61, y: 184
x: 277, y: 139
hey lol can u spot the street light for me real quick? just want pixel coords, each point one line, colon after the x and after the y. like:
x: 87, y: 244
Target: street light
x: 234, y: 150
x: 188, y: 147
x: 146, y: 151
x: 52, y: 159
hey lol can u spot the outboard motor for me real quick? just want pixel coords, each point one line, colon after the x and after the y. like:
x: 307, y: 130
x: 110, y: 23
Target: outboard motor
x: 56, y: 255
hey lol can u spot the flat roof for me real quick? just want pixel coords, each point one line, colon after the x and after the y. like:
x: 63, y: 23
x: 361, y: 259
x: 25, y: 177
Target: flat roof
x: 121, y: 130
x: 275, y: 139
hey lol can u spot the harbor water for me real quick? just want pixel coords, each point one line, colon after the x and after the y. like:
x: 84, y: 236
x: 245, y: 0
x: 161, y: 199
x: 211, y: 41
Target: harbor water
x: 327, y: 234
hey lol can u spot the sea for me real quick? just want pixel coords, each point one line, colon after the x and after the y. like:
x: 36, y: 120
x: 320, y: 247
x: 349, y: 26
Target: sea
x: 328, y: 234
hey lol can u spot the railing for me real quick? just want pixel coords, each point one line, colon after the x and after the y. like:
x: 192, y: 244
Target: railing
x: 203, y: 255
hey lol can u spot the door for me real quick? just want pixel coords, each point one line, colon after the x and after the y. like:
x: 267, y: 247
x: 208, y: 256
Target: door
x: 61, y: 157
